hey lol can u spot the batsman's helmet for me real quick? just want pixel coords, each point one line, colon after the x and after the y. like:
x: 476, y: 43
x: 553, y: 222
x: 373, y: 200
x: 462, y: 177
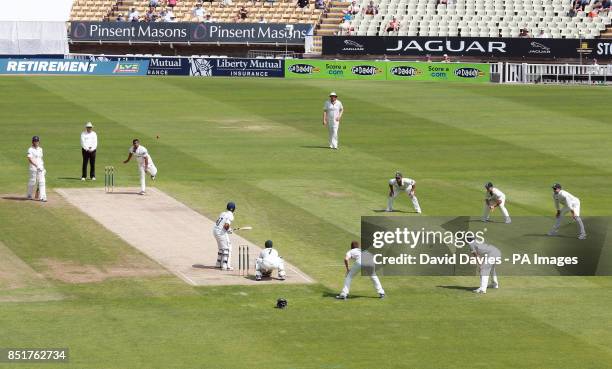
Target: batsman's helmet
x: 556, y: 186
x: 231, y: 206
x: 268, y: 244
x: 281, y: 303
x: 488, y: 185
x: 398, y: 174
x: 35, y: 138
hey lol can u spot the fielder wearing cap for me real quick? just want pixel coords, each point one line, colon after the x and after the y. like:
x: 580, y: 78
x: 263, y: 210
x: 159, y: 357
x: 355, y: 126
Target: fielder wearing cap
x: 268, y: 261
x: 89, y: 145
x: 355, y: 254
x: 221, y: 231
x: 489, y: 254
x: 37, y: 170
x: 495, y: 198
x: 400, y: 184
x: 570, y: 204
x: 332, y: 113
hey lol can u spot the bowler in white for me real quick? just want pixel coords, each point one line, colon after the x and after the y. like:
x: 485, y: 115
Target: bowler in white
x: 332, y: 113
x: 145, y: 163
x: 355, y: 254
x: 398, y: 185
x: 37, y: 170
x: 269, y: 261
x: 570, y: 204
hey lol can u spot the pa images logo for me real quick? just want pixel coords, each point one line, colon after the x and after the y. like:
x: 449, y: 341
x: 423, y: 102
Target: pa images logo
x: 303, y: 69
x: 126, y: 68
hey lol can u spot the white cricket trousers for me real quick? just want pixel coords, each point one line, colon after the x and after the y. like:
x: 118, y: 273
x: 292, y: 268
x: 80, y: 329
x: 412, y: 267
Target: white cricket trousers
x: 332, y: 127
x: 565, y: 210
x: 268, y: 265
x: 415, y: 201
x: 224, y: 249
x: 151, y: 169
x: 502, y: 208
x: 356, y: 268
x: 37, y: 177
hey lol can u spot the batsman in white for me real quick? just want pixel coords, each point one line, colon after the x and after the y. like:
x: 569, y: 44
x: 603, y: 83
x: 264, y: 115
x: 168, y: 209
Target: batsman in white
x: 400, y: 184
x: 355, y: 254
x: 145, y: 162
x: 332, y: 113
x: 37, y: 170
x: 570, y: 204
x: 495, y: 198
x: 268, y: 261
x: 221, y: 230
x: 486, y: 268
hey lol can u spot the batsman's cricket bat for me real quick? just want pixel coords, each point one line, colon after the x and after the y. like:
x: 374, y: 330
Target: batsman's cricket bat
x: 243, y: 228
x: 37, y: 194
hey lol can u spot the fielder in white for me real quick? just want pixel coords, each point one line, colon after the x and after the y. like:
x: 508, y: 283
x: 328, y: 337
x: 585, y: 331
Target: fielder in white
x: 37, y: 170
x: 221, y: 230
x: 495, y: 198
x: 487, y: 268
x: 145, y: 163
x: 355, y: 254
x: 268, y: 261
x: 400, y: 184
x: 332, y: 113
x: 570, y: 204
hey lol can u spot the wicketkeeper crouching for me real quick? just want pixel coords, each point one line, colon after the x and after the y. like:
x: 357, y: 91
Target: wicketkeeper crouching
x: 268, y: 261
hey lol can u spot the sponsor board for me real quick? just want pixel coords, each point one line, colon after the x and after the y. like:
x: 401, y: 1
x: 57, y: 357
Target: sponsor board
x: 457, y: 72
x: 293, y: 34
x: 74, y: 66
x: 463, y: 46
x: 331, y: 69
x: 229, y: 67
x: 168, y: 67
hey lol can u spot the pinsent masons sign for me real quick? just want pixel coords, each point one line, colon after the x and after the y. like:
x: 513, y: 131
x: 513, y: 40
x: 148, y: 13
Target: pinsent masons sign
x: 190, y: 32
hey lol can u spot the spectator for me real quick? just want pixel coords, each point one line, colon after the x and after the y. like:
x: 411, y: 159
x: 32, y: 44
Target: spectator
x: 243, y: 13
x: 262, y: 20
x: 209, y: 19
x: 150, y: 15
x: 303, y: 4
x: 347, y: 17
x: 171, y: 3
x: 605, y: 6
x: 393, y: 25
x: 121, y: 18
x: 198, y: 12
x: 320, y: 4
x: 133, y: 15
x: 271, y: 2
x: 523, y: 33
x: 345, y: 28
x: 445, y: 58
x: 153, y: 3
x: 169, y: 16
x: 354, y: 8
x: 225, y: 3
x: 572, y: 13
x: 371, y: 9
x: 542, y: 34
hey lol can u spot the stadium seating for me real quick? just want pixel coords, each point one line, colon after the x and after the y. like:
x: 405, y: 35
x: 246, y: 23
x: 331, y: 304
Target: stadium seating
x: 480, y: 18
x: 278, y: 12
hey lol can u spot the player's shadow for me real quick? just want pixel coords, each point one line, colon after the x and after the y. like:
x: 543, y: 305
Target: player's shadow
x: 315, y: 147
x: 123, y: 193
x: 393, y: 211
x: 202, y: 266
x: 70, y: 178
x: 544, y: 235
x: 15, y: 198
x: 351, y: 296
x: 461, y: 288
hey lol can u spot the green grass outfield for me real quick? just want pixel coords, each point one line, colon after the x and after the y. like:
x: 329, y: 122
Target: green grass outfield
x: 257, y: 142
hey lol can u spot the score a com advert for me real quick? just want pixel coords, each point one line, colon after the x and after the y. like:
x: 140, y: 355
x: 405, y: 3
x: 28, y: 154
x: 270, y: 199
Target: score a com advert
x: 448, y: 246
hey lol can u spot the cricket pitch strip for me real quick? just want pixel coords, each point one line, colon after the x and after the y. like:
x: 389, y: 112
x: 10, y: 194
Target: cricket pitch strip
x: 169, y: 232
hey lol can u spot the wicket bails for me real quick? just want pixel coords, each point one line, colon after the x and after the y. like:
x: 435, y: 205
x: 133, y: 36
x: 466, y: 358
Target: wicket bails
x: 109, y: 179
x: 243, y: 260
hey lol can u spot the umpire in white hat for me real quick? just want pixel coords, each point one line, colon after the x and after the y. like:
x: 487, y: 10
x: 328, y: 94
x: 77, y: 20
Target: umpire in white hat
x: 89, y: 145
x: 332, y: 113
